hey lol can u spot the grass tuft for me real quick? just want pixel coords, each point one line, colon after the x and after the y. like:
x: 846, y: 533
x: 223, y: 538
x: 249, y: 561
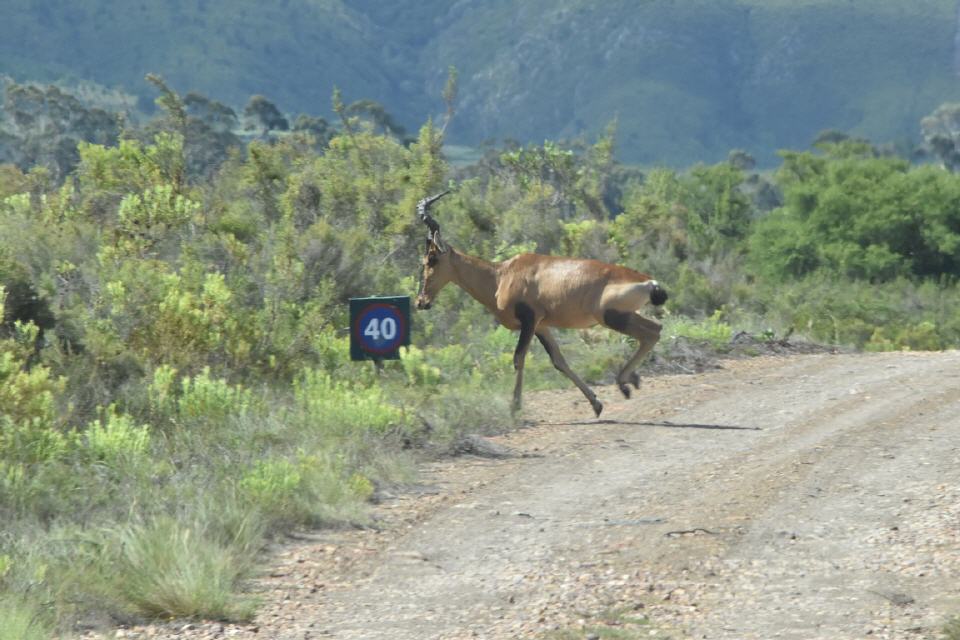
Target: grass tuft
x: 951, y: 631
x: 22, y: 620
x: 172, y: 570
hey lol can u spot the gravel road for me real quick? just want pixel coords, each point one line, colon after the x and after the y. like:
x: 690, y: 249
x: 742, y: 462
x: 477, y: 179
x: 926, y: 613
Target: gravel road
x: 797, y: 497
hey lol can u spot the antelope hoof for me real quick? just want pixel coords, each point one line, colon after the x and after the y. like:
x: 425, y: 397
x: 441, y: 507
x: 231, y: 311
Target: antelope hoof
x: 597, y: 407
x: 624, y: 389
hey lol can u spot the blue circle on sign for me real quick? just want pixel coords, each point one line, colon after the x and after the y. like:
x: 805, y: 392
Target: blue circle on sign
x: 380, y: 328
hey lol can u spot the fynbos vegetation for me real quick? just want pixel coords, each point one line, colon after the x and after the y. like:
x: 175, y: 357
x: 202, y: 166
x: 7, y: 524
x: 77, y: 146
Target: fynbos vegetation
x: 174, y: 381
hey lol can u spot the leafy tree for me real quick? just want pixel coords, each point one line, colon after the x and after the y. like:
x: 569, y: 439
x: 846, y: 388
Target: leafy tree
x: 378, y: 116
x: 317, y: 127
x: 262, y: 114
x: 851, y: 213
x: 43, y: 125
x: 206, y: 126
x: 941, y: 134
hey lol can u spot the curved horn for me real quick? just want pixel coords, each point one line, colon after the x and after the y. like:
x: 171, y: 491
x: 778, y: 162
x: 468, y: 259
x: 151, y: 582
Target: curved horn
x: 423, y: 208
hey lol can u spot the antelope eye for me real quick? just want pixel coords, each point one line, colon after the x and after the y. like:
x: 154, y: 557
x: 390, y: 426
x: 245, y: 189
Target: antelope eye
x: 431, y: 260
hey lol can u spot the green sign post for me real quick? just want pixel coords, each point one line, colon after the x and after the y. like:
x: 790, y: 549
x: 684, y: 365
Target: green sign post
x: 379, y: 327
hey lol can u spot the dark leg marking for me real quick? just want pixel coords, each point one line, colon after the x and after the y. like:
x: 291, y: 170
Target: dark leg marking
x: 525, y: 315
x: 553, y: 353
x: 528, y: 321
x: 617, y: 320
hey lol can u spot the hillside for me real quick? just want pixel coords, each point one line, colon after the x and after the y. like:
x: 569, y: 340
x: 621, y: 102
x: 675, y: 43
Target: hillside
x: 687, y: 81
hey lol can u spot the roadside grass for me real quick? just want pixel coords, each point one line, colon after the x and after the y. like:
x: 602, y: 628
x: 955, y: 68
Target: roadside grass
x: 166, y: 569
x: 616, y: 623
x: 163, y: 514
x: 951, y: 630
x: 22, y: 619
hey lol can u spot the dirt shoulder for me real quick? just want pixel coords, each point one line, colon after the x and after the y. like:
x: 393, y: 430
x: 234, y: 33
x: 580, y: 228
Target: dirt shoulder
x: 812, y: 496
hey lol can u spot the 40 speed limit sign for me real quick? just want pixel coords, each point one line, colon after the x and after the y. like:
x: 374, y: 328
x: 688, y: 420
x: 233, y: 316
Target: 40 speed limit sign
x: 379, y: 327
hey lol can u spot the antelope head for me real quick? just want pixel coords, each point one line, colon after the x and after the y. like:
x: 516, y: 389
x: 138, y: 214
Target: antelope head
x: 437, y: 270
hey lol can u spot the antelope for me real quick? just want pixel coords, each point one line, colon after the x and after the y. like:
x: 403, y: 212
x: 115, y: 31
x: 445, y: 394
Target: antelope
x: 533, y: 293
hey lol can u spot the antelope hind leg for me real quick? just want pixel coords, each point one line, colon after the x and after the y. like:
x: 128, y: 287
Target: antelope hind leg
x: 647, y: 333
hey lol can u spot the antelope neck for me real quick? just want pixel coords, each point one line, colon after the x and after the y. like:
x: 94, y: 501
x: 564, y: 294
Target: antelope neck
x: 475, y: 276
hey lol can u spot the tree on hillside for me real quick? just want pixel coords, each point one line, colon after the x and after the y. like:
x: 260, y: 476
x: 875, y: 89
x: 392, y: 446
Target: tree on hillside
x: 207, y: 127
x: 941, y: 134
x: 377, y: 114
x: 42, y: 126
x: 262, y: 114
x: 317, y: 127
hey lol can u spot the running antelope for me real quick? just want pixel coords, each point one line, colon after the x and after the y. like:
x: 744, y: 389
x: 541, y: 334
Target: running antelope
x: 532, y: 293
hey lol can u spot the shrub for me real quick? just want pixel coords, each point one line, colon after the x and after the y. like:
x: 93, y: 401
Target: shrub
x: 117, y: 442
x: 211, y: 400
x: 272, y: 485
x: 712, y: 329
x: 337, y: 408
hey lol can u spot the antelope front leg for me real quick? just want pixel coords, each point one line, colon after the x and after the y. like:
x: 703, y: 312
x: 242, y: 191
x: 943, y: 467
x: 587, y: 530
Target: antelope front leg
x: 528, y: 323
x: 647, y: 333
x: 553, y: 350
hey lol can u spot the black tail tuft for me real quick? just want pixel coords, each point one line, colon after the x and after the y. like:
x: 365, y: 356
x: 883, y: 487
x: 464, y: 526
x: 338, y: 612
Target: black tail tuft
x: 658, y: 296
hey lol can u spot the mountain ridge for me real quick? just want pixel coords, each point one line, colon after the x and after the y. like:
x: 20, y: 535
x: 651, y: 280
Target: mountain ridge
x: 686, y: 81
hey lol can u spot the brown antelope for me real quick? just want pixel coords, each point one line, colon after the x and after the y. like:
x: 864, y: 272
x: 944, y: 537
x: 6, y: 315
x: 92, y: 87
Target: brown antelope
x: 532, y: 293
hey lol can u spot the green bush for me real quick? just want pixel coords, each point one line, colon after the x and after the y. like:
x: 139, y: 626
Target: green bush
x: 211, y: 400
x: 712, y: 330
x: 117, y: 442
x: 343, y: 410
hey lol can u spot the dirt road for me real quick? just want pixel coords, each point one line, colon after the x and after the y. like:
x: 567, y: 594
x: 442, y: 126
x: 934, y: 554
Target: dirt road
x: 803, y: 497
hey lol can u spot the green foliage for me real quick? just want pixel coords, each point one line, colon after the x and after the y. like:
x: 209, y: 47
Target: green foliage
x: 272, y: 483
x: 313, y: 489
x: 900, y: 314
x: 860, y: 216
x: 209, y: 399
x: 712, y: 330
x: 117, y: 442
x: 340, y: 408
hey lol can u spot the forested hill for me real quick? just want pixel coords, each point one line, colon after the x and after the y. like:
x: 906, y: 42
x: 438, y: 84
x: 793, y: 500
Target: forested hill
x: 687, y: 79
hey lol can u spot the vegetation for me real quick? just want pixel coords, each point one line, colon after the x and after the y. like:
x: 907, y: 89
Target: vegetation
x: 174, y: 382
x: 619, y: 623
x: 951, y: 631
x: 687, y: 80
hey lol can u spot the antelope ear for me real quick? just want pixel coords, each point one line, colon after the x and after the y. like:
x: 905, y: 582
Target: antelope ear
x: 438, y: 243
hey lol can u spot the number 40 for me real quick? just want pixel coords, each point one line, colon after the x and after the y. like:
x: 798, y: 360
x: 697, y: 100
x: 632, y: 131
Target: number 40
x: 378, y: 329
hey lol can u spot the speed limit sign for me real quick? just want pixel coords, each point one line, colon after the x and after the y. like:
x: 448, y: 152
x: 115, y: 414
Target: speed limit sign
x: 379, y: 327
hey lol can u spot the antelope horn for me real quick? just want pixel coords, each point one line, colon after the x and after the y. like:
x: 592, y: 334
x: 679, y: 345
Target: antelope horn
x: 423, y: 208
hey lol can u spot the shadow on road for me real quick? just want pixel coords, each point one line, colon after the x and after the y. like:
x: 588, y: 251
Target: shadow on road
x: 672, y: 425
